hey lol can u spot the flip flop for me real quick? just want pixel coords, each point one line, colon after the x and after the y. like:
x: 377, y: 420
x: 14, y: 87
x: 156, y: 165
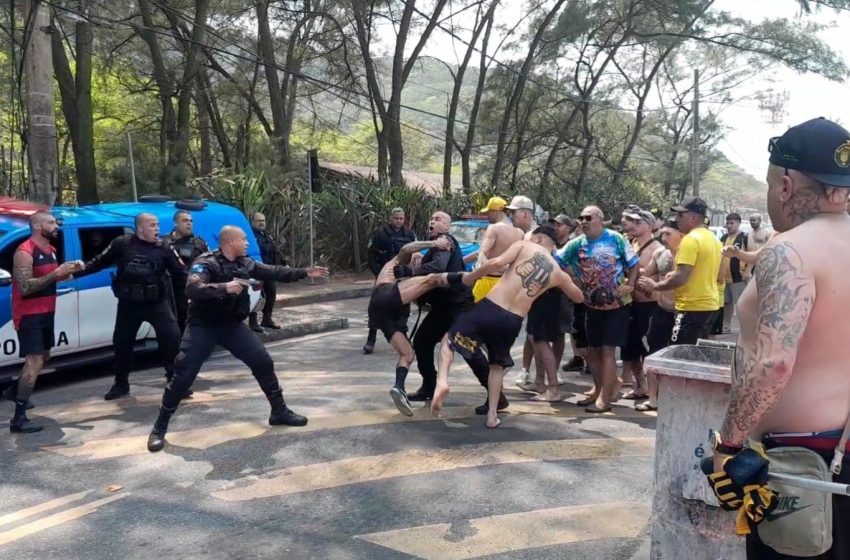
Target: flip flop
x: 646, y: 407
x: 635, y: 397
x: 593, y: 410
x: 586, y: 402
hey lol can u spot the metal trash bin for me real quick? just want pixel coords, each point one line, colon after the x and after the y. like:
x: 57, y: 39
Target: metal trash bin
x: 694, y: 385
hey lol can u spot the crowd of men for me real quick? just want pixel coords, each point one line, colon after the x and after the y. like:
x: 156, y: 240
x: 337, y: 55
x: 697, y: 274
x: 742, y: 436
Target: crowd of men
x: 193, y: 299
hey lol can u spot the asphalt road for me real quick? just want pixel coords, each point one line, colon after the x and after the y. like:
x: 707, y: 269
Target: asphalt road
x: 360, y: 481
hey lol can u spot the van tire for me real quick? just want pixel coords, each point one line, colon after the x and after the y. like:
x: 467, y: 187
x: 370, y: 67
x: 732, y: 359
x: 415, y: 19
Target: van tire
x: 154, y: 198
x: 190, y: 204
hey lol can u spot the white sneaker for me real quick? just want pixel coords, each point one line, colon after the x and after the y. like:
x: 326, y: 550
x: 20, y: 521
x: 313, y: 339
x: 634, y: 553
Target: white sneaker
x: 523, y: 378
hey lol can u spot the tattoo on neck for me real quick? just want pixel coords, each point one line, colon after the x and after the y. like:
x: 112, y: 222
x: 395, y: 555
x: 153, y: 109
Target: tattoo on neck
x: 535, y: 273
x: 803, y: 205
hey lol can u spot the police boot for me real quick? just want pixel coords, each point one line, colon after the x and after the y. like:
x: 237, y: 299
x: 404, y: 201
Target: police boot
x: 156, y: 439
x: 281, y: 414
x: 268, y: 323
x: 20, y: 424
x: 121, y: 388
x: 252, y: 323
x: 11, y: 393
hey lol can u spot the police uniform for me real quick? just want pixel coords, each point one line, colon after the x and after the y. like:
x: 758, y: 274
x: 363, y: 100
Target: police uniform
x: 384, y: 244
x: 216, y: 317
x: 188, y: 248
x: 140, y: 284
x: 271, y: 256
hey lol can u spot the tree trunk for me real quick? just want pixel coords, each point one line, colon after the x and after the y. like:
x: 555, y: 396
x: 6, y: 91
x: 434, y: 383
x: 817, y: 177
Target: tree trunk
x: 465, y: 153
x: 42, y: 150
x: 204, y: 132
x: 516, y: 94
x: 216, y: 122
x: 276, y: 98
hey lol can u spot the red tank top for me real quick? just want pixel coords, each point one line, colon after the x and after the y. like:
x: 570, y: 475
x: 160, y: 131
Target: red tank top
x: 44, y: 300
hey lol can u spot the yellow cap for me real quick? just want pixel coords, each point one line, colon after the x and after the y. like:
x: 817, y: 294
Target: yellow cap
x: 495, y: 203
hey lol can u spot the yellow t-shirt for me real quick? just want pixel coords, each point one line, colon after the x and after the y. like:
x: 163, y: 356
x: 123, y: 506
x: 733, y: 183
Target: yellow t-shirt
x: 701, y: 250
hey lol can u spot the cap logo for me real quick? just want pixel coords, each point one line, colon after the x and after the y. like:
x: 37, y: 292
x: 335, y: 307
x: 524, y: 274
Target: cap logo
x: 842, y: 154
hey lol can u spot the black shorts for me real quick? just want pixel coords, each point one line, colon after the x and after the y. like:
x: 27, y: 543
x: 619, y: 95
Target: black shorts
x: 35, y: 334
x: 544, y: 317
x: 386, y: 310
x: 565, y: 319
x: 757, y: 550
x: 636, y: 348
x: 690, y: 326
x: 660, y: 329
x: 609, y: 327
x: 489, y: 325
x: 579, y: 332
x: 717, y: 325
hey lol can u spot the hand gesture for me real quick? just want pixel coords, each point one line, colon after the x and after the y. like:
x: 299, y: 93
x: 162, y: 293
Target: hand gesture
x: 443, y: 243
x: 66, y: 269
x: 235, y: 287
x: 646, y: 283
x: 624, y: 290
x: 317, y: 272
x: 731, y: 251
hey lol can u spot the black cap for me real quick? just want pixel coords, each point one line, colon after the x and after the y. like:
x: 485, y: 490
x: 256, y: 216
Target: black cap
x: 548, y: 231
x: 672, y: 222
x: 564, y: 220
x: 694, y: 204
x: 818, y: 148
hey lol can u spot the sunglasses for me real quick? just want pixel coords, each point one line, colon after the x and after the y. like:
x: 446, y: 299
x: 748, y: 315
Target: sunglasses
x: 586, y: 218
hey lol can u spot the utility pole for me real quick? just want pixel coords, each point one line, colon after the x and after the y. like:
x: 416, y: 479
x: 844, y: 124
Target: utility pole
x: 42, y: 150
x: 695, y: 152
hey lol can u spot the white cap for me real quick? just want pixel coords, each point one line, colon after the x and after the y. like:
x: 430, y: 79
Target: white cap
x: 520, y: 202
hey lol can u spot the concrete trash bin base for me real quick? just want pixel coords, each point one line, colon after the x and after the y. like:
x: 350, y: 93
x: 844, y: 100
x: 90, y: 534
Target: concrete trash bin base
x: 694, y: 385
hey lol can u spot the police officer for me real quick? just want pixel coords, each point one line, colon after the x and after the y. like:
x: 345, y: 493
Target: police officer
x: 384, y: 244
x: 188, y: 247
x: 271, y: 256
x: 144, y: 262
x: 218, y: 306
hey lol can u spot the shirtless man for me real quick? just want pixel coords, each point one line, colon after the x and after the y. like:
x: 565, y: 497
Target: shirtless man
x: 495, y: 321
x: 387, y: 307
x: 789, y: 380
x: 500, y: 235
x: 644, y: 303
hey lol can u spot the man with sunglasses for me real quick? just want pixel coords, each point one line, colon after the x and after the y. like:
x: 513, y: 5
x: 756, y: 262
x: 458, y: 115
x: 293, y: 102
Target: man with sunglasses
x: 789, y: 379
x: 606, y: 268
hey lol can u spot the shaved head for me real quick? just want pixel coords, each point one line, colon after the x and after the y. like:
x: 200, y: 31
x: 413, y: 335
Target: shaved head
x: 39, y: 218
x: 44, y: 225
x: 144, y: 217
x: 233, y: 242
x: 229, y: 232
x: 147, y: 227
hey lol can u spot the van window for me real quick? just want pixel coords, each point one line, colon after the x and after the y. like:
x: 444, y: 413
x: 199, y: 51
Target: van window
x: 7, y: 255
x: 94, y: 240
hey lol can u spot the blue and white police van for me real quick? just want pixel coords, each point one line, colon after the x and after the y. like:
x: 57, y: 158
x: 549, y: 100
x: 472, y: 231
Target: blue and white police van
x: 86, y: 307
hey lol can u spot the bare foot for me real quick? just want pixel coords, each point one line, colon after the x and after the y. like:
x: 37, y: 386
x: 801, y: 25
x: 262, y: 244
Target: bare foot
x: 548, y: 396
x: 591, y: 393
x: 493, y: 422
x: 533, y: 388
x: 440, y: 394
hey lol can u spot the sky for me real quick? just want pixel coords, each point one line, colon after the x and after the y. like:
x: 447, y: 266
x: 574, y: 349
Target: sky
x: 745, y: 144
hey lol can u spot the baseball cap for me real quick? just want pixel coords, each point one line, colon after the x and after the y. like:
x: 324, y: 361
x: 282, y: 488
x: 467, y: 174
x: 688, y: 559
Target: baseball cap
x: 640, y: 216
x: 548, y: 231
x: 520, y: 202
x: 818, y: 148
x: 631, y: 209
x: 671, y: 222
x: 693, y: 204
x: 564, y: 220
x: 495, y: 203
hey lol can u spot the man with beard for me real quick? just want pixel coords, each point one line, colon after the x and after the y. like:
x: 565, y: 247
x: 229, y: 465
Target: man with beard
x: 188, y: 247
x: 34, y: 308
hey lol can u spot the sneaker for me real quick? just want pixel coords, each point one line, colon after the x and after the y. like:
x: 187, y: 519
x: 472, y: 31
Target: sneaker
x: 523, y: 378
x: 421, y: 395
x: 575, y: 364
x: 401, y: 401
x: 483, y: 409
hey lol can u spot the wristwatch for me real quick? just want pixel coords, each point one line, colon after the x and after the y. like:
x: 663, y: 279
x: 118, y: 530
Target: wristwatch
x: 720, y: 447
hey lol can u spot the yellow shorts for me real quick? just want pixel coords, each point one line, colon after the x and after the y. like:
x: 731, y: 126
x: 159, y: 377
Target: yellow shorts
x: 483, y: 286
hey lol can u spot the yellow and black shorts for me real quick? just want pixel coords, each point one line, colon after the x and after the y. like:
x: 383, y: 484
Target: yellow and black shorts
x: 483, y: 287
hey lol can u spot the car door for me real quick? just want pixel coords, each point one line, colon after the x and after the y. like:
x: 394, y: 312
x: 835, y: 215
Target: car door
x: 67, y: 304
x: 98, y: 305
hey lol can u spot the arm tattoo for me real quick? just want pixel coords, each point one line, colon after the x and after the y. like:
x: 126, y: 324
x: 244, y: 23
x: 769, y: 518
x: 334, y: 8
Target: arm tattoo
x: 786, y: 295
x: 406, y: 252
x: 29, y: 285
x: 535, y: 273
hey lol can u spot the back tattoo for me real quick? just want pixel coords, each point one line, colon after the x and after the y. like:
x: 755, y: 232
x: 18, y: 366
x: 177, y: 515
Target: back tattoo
x: 535, y: 273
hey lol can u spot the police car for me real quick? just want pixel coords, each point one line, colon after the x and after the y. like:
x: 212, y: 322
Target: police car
x: 86, y: 307
x: 469, y: 232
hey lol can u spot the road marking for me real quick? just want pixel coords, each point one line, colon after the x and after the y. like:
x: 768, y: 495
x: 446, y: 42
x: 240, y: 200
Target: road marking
x: 357, y: 470
x: 56, y: 519
x: 517, y: 531
x: 204, y: 438
x: 19, y: 515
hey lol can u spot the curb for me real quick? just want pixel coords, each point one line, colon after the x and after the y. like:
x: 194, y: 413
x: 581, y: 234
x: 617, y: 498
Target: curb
x: 296, y: 330
x: 323, y: 297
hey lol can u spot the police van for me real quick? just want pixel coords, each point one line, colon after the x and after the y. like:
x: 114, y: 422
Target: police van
x: 85, y: 306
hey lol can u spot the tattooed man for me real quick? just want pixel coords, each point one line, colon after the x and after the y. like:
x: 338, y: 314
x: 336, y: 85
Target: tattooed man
x: 495, y: 321
x: 34, y: 307
x: 790, y: 380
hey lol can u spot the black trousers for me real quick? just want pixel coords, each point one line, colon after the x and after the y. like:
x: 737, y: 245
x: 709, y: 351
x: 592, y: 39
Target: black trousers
x: 270, y: 293
x: 430, y: 332
x: 181, y: 306
x: 129, y: 318
x: 198, y: 343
